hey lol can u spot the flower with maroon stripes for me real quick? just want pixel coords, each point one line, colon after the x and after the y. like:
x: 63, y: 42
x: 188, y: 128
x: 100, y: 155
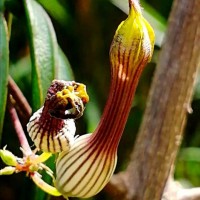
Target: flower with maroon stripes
x: 90, y: 163
x: 52, y: 127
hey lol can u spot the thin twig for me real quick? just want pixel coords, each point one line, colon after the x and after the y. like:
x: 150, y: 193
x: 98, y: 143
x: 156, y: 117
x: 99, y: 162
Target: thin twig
x: 19, y: 98
x: 18, y: 128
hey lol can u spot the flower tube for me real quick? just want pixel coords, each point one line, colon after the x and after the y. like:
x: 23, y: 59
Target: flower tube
x: 89, y: 165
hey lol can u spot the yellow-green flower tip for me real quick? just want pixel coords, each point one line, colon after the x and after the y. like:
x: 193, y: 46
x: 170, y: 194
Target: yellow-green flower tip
x: 133, y: 42
x: 8, y: 158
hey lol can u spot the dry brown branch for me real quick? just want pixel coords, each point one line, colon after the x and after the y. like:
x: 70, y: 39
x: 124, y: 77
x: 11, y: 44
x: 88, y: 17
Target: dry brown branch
x: 19, y: 98
x: 161, y: 132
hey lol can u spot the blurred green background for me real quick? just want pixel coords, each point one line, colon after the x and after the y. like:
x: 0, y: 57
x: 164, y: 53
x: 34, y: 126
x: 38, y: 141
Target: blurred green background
x: 84, y: 30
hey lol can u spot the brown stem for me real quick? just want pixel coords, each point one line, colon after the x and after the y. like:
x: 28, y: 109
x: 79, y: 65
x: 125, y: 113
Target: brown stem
x: 19, y: 98
x: 169, y: 103
x: 18, y: 128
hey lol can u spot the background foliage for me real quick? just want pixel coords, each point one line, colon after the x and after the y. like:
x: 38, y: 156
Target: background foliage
x: 70, y: 40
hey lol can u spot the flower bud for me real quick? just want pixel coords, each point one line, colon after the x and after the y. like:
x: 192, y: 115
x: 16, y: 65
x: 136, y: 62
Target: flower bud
x: 7, y: 170
x: 8, y: 158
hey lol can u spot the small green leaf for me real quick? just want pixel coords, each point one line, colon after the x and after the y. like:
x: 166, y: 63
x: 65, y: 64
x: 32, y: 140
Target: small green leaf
x: 43, y: 46
x: 63, y: 71
x: 4, y: 62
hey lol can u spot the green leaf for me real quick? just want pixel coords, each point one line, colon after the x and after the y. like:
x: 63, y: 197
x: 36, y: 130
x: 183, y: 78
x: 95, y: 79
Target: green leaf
x: 1, y: 5
x: 56, y: 10
x: 43, y: 47
x: 92, y: 112
x: 190, y: 154
x: 197, y: 88
x: 154, y: 18
x: 63, y: 71
x: 48, y: 62
x: 4, y: 63
x: 187, y: 165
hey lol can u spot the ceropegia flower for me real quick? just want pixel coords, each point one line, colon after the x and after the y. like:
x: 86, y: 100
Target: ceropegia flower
x: 52, y: 127
x: 88, y: 166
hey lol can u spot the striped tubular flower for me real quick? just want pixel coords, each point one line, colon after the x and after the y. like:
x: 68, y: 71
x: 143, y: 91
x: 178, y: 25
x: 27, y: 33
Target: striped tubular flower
x: 89, y: 165
x: 52, y: 127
